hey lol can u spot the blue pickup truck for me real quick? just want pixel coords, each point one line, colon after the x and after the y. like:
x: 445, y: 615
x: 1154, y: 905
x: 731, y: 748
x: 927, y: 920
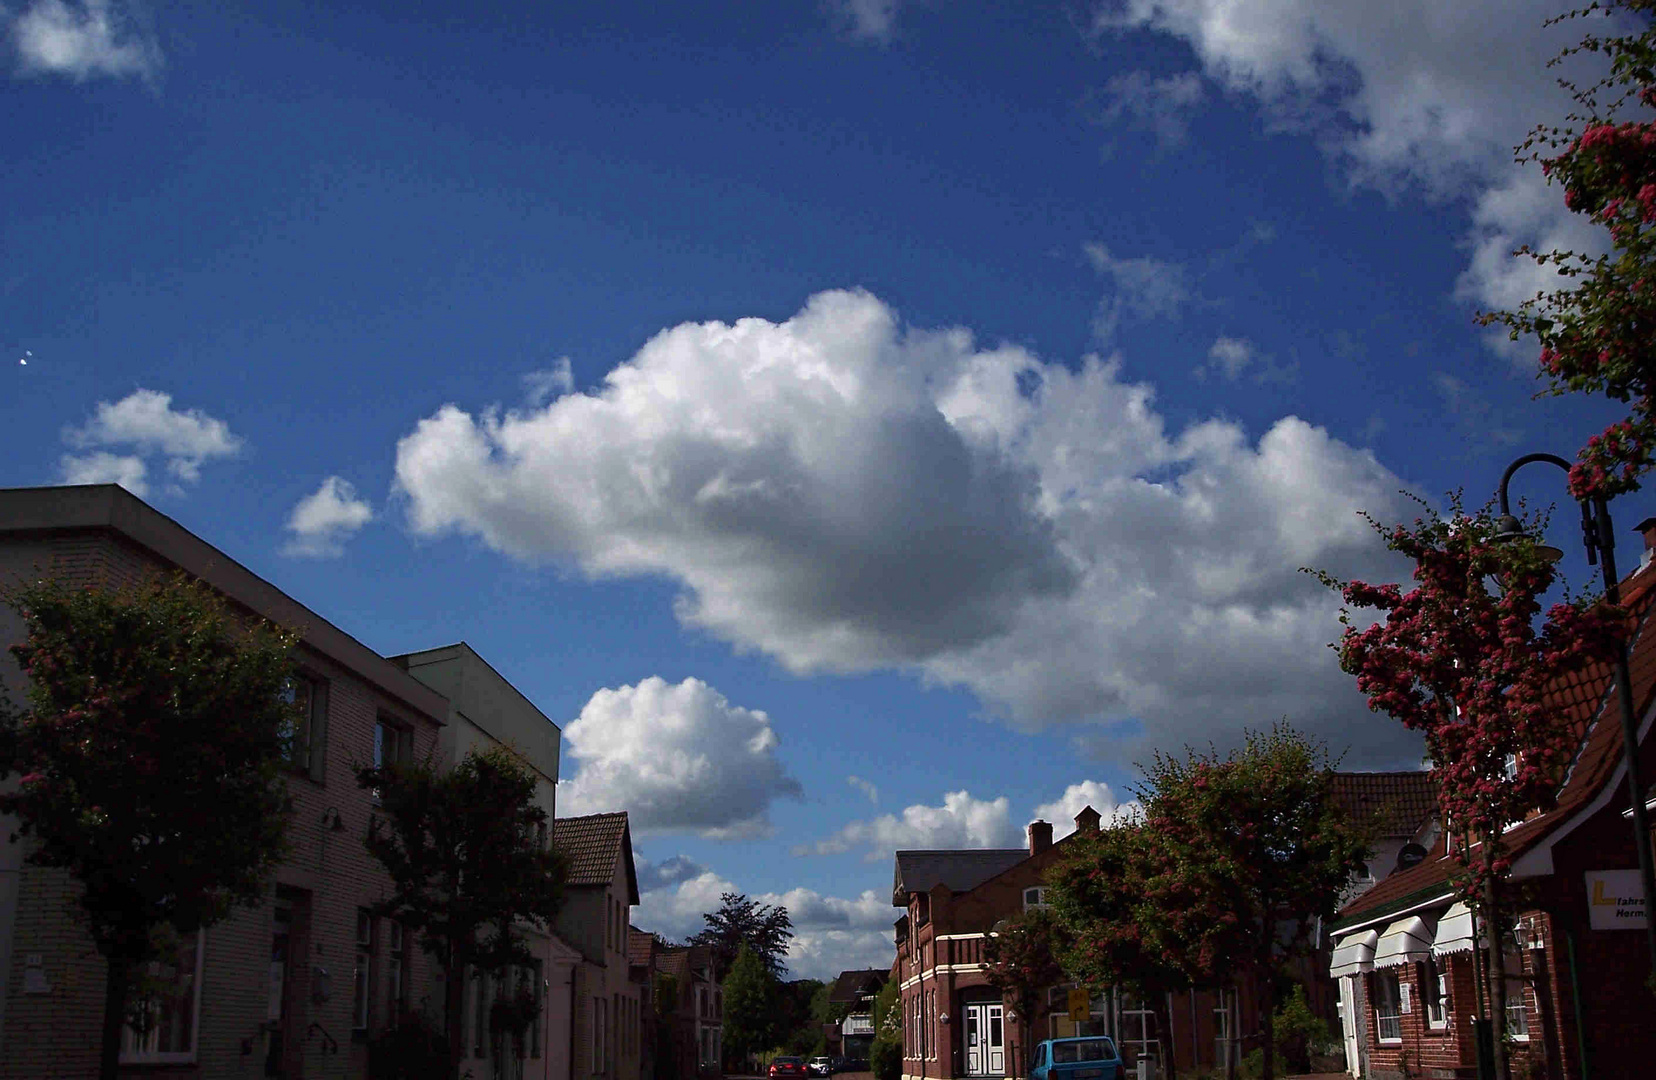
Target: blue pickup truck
x: 1091, y: 1057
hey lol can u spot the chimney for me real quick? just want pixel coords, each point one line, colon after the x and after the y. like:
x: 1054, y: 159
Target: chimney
x: 1087, y: 820
x: 1040, y: 836
x: 1647, y: 528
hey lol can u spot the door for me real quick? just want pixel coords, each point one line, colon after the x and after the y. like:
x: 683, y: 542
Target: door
x: 1348, y: 1023
x: 985, y: 1040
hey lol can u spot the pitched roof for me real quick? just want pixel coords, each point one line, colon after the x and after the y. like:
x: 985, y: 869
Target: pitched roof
x: 854, y: 984
x: 923, y: 871
x: 593, y: 845
x: 641, y: 945
x: 1401, y: 801
x: 1588, y: 700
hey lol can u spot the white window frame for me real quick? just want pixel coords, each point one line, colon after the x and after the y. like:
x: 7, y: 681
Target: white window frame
x: 1388, y: 978
x: 1434, y: 988
x: 132, y: 1055
x: 362, y: 972
x: 1039, y: 903
x: 1517, y: 1004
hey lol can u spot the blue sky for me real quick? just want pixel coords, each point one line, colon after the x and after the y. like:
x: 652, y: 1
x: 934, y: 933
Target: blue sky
x: 859, y: 425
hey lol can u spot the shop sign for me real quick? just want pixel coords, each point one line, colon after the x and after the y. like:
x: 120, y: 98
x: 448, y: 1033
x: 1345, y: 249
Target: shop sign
x: 1615, y: 901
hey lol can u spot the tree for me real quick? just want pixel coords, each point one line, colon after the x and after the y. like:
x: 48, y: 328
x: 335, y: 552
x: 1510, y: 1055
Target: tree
x: 1023, y: 957
x: 460, y: 847
x: 749, y: 991
x: 1108, y: 895
x: 1595, y: 330
x: 1247, y: 851
x: 766, y: 929
x: 151, y: 758
x: 1469, y: 668
x: 885, y: 1054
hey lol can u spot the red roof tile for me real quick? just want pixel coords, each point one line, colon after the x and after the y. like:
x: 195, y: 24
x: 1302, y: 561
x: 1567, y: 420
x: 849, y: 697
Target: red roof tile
x: 1401, y: 801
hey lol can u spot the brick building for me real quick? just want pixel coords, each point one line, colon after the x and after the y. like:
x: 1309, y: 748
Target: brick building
x: 689, y: 1014
x: 956, y: 1025
x: 291, y: 988
x: 853, y: 993
x: 1578, y: 1007
x: 600, y: 891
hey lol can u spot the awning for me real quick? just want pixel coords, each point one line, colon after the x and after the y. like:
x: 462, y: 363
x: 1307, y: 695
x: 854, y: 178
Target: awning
x: 1353, y: 954
x: 1454, y: 932
x: 1406, y: 941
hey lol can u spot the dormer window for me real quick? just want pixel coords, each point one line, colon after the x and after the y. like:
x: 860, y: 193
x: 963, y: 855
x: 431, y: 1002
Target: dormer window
x: 1035, y: 899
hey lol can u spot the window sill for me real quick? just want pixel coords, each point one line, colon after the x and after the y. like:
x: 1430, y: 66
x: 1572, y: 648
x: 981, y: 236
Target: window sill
x: 1392, y: 1042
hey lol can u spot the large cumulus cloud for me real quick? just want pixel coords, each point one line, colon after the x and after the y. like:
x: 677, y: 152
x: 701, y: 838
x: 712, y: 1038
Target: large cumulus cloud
x: 843, y: 493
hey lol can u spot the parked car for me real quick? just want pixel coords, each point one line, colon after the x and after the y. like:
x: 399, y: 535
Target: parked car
x: 820, y: 1066
x: 1091, y: 1057
x: 788, y: 1066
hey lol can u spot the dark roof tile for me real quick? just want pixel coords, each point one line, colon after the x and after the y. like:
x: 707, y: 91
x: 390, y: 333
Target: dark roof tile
x: 923, y: 871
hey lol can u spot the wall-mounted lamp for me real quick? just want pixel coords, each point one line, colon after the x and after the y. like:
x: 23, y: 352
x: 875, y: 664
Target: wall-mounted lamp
x: 943, y: 1017
x: 321, y: 984
x: 330, y: 820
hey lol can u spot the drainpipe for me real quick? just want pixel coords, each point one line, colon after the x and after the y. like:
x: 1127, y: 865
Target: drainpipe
x: 1575, y: 997
x: 572, y: 970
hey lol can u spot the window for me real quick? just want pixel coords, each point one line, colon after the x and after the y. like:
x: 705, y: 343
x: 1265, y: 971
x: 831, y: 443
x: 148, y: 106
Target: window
x: 393, y: 744
x: 305, y: 735
x: 598, y: 1033
x: 1434, y: 988
x: 360, y: 981
x: 395, y: 971
x: 1138, y: 1025
x: 1517, y: 1010
x: 1035, y: 899
x: 1388, y: 1006
x: 165, y: 1005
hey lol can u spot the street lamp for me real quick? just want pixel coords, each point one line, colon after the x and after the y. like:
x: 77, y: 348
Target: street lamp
x: 1600, y: 539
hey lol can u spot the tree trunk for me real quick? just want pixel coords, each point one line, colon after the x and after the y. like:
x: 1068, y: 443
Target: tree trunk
x: 1268, y: 1020
x: 1164, y: 1034
x: 454, y: 1002
x: 116, y: 981
x: 1497, y: 980
x: 1233, y: 1020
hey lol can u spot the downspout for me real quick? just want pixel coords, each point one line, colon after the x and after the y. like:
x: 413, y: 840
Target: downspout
x: 572, y: 970
x: 1575, y: 997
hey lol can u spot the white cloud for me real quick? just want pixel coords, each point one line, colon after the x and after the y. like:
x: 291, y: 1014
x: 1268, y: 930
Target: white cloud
x: 962, y: 821
x: 831, y: 934
x: 1413, y: 95
x: 870, y: 20
x: 1230, y: 357
x: 145, y: 421
x: 844, y: 494
x: 1143, y: 287
x: 102, y: 467
x: 322, y: 521
x: 865, y: 786
x: 676, y: 757
x: 1077, y: 797
x: 1139, y: 101
x: 81, y: 40
x: 553, y: 382
x: 666, y: 873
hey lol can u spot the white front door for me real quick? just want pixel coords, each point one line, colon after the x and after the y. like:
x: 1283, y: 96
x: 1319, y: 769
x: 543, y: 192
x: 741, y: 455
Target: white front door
x: 985, y: 1041
x: 1348, y: 1023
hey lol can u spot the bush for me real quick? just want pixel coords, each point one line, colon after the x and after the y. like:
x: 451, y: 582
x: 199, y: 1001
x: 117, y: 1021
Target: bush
x: 1300, y: 1032
x: 412, y: 1050
x: 886, y: 1059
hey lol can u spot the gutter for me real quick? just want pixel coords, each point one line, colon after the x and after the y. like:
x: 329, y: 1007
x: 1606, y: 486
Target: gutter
x: 1420, y: 898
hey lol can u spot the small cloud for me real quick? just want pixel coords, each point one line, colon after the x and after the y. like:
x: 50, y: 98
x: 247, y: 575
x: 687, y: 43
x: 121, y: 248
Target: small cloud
x: 545, y: 385
x: 1144, y: 287
x: 865, y: 786
x: 1138, y: 101
x: 83, y: 40
x: 102, y: 467
x: 322, y: 521
x: 868, y: 20
x: 145, y: 421
x: 666, y: 873
x: 1231, y: 358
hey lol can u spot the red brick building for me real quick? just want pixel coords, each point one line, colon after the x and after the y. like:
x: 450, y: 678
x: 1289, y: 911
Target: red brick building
x: 292, y: 988
x: 1578, y: 1007
x: 956, y: 1025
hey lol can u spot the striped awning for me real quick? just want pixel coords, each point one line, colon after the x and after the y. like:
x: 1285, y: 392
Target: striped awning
x: 1353, y: 954
x: 1406, y: 941
x: 1454, y: 932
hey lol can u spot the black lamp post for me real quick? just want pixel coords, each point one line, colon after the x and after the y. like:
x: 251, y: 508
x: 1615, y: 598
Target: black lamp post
x: 1600, y: 540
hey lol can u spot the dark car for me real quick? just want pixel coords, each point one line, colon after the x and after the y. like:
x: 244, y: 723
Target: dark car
x: 1091, y: 1057
x: 788, y: 1066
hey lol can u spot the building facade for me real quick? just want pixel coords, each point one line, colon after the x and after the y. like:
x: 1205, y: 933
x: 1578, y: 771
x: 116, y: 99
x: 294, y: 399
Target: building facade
x: 292, y: 988
x: 600, y: 891
x: 689, y: 1014
x: 955, y: 1024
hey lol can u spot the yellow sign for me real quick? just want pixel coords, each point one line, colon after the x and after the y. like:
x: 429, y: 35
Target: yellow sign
x: 1080, y: 1005
x: 1615, y: 900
